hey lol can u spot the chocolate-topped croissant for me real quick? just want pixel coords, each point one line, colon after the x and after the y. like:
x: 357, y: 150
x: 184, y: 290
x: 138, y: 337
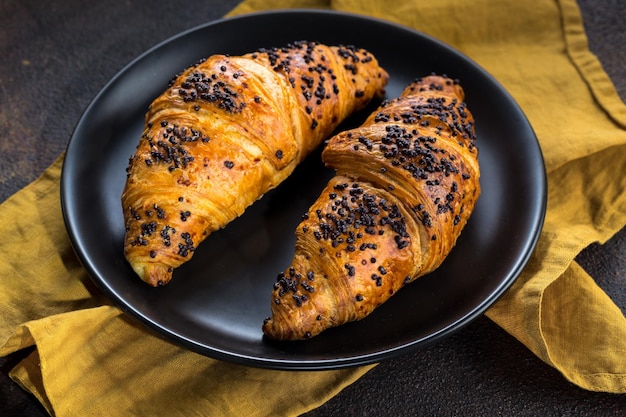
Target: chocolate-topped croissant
x: 226, y: 131
x: 406, y: 183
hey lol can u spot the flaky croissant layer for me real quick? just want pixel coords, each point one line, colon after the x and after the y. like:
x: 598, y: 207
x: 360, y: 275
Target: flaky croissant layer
x: 226, y: 131
x: 406, y: 182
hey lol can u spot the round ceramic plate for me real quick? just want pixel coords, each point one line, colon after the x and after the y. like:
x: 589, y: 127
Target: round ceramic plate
x: 216, y: 303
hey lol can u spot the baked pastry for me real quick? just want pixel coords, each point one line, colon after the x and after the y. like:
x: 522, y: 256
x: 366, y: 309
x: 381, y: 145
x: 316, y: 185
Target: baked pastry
x: 406, y: 183
x: 227, y: 130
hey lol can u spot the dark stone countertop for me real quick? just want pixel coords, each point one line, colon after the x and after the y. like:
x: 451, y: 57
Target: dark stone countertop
x: 56, y: 57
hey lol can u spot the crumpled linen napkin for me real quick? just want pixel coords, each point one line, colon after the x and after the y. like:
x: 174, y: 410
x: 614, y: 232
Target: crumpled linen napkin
x: 92, y: 360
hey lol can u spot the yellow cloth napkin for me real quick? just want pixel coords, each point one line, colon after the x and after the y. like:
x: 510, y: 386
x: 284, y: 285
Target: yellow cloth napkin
x: 91, y: 360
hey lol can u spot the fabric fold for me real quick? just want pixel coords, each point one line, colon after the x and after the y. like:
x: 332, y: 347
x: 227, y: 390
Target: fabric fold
x: 585, y: 205
x: 596, y: 361
x: 588, y: 64
x: 99, y: 353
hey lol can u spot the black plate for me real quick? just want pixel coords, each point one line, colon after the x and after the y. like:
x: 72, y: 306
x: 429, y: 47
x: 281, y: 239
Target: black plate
x: 216, y: 302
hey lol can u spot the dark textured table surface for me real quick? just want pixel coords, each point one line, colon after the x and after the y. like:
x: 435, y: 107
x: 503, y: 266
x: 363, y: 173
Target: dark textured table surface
x: 57, y: 55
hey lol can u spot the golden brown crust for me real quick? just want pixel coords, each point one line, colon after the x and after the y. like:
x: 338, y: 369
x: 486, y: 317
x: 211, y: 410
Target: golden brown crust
x: 226, y: 131
x: 407, y: 181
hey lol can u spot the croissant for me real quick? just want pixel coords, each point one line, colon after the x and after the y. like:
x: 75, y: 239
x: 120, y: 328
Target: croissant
x: 406, y: 183
x: 227, y: 130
